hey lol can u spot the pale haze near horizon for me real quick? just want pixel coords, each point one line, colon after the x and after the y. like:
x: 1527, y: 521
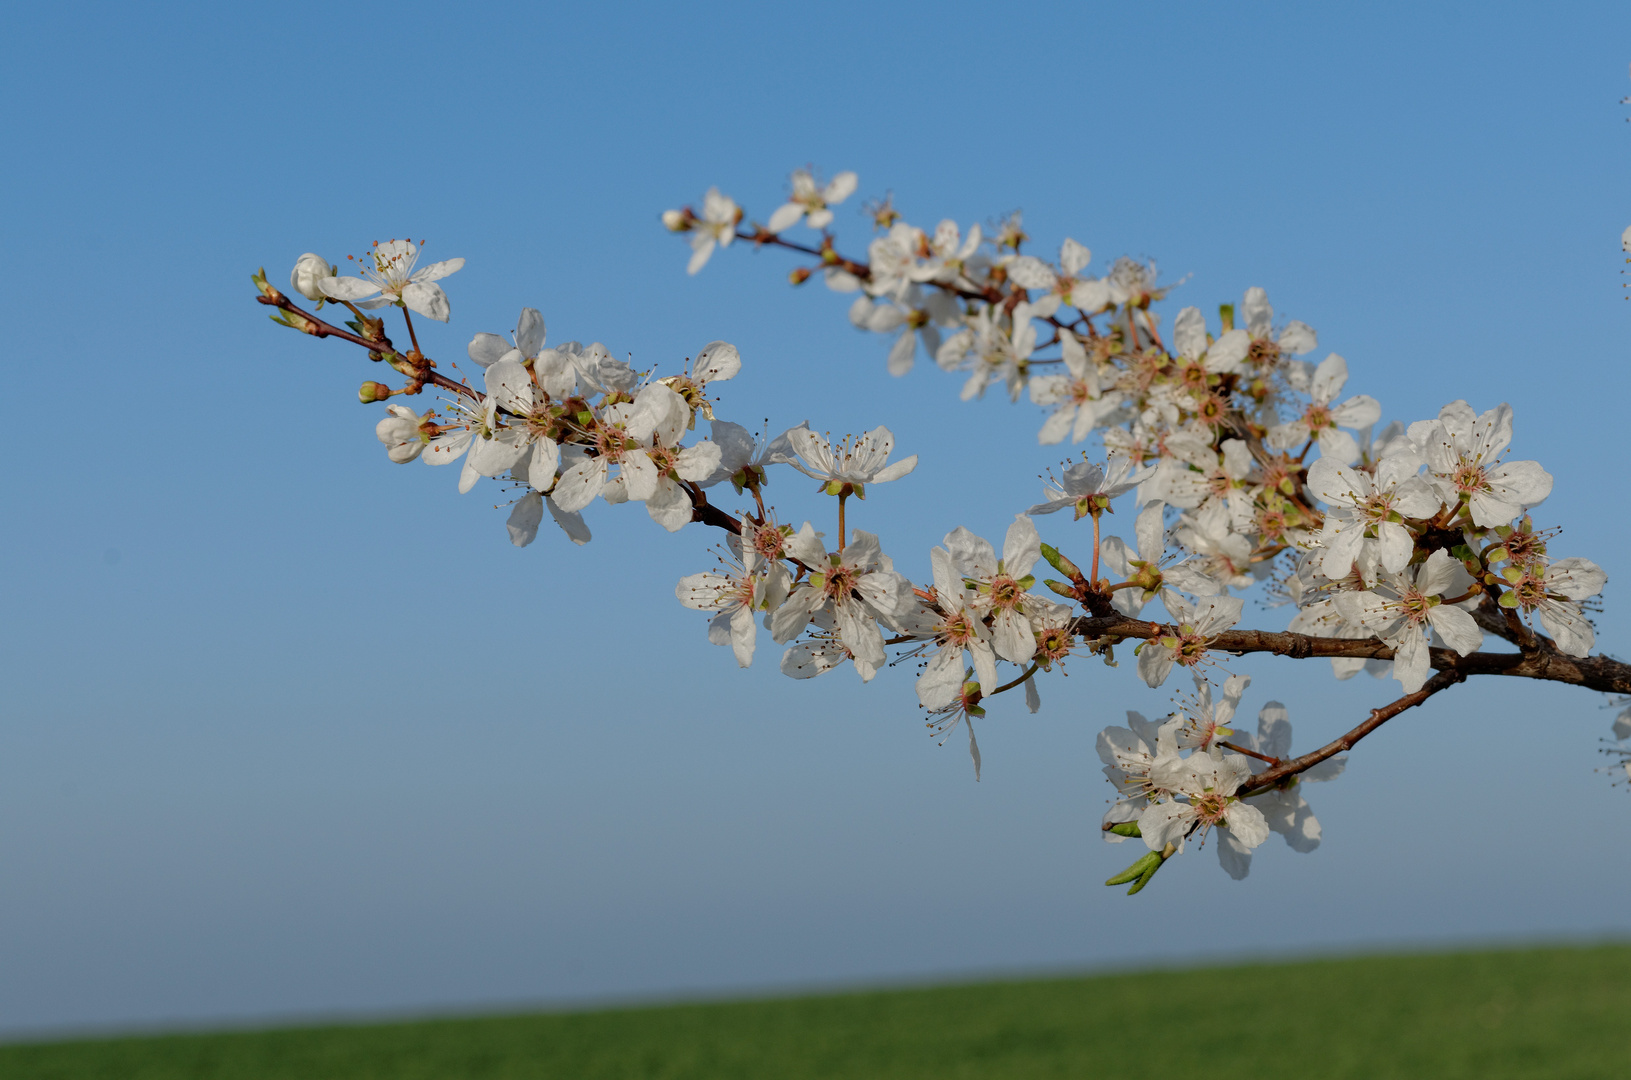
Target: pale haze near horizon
x: 291, y: 731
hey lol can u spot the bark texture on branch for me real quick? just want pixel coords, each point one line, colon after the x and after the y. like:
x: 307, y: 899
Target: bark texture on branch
x: 1544, y: 662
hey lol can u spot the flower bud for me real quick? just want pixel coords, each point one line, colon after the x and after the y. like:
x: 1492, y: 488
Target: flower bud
x: 1139, y: 873
x: 264, y: 287
x: 308, y: 272
x: 1060, y: 563
x: 371, y: 392
x: 676, y: 221
x: 800, y: 275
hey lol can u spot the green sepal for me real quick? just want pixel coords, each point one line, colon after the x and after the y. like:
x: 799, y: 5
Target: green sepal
x: 1027, y: 581
x: 1125, y: 828
x: 1508, y: 600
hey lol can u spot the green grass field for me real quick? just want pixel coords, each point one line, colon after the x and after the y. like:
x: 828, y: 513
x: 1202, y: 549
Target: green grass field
x: 1532, y: 1013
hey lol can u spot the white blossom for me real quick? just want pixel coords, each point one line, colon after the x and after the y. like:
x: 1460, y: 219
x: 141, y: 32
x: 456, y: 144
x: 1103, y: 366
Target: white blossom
x: 715, y: 228
x: 748, y: 586
x: 1001, y: 583
x: 811, y: 203
x: 1463, y: 451
x: 1208, y: 784
x: 1089, y: 488
x: 857, y: 586
x: 1295, y: 338
x: 1129, y: 755
x: 1204, y: 723
x: 1186, y: 643
x: 915, y: 314
x: 308, y: 275
x: 1405, y: 606
x: 864, y: 462
x: 1553, y: 593
x: 1066, y: 285
x: 392, y: 279
x: 959, y: 628
x: 1322, y: 421
x: 525, y: 343
x: 1369, y: 509
x: 1078, y: 398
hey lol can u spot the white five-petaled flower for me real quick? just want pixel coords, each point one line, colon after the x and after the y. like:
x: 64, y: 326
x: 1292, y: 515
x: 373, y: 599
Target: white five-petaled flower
x: 1067, y: 285
x: 1187, y: 643
x: 1221, y: 554
x: 737, y: 596
x: 407, y: 435
x: 525, y: 344
x: 1204, y: 723
x: 403, y: 434
x: 951, y: 256
x: 913, y: 314
x: 1078, y: 398
x: 1209, y: 784
x: 642, y: 438
x: 1554, y: 594
x: 1322, y: 421
x: 668, y: 503
x: 1001, y: 584
x: 1295, y: 338
x: 811, y: 203
x: 1463, y: 451
x: 522, y: 433
x: 1144, y: 569
x: 959, y: 626
x: 1366, y: 509
x: 1405, y: 606
x: 991, y: 351
x: 1129, y: 754
x: 857, y: 586
x: 1193, y: 475
x: 393, y: 277
x: 742, y: 457
x: 1089, y: 488
x: 1202, y: 357
x: 897, y: 261
x: 715, y: 228
x: 857, y: 464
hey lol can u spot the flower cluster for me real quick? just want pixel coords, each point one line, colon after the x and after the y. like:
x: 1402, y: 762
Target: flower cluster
x: 1245, y: 468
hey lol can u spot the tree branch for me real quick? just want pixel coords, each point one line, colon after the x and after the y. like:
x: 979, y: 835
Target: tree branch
x: 1269, y: 778
x: 1593, y: 672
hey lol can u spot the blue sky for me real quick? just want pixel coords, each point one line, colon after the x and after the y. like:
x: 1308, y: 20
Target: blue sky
x: 291, y: 731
